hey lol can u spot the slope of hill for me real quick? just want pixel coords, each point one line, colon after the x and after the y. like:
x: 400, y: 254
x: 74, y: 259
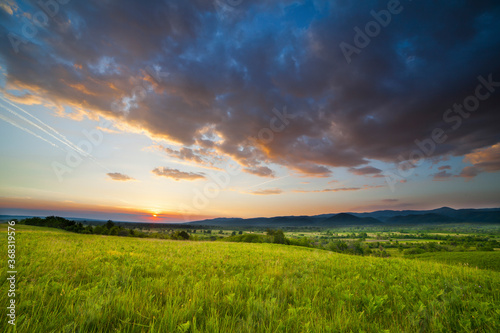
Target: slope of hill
x: 422, y: 219
x: 89, y: 283
x: 392, y: 217
x: 348, y: 219
x: 491, y: 215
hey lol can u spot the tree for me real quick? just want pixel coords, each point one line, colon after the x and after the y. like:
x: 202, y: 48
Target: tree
x: 278, y: 237
x: 180, y: 235
x: 98, y: 230
x: 110, y: 224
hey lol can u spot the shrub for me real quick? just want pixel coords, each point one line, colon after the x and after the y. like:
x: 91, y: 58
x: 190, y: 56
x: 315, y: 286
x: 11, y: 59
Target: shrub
x: 415, y: 250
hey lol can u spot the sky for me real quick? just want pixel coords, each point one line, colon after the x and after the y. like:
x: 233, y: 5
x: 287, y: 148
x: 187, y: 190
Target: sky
x: 173, y: 111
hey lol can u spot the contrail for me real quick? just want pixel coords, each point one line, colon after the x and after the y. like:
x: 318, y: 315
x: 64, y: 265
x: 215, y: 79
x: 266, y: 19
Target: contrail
x: 40, y: 121
x: 63, y: 140
x: 13, y: 123
x: 269, y: 181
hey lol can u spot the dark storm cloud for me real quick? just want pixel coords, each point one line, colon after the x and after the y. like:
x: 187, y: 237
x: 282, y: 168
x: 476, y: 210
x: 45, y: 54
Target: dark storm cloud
x: 208, y: 75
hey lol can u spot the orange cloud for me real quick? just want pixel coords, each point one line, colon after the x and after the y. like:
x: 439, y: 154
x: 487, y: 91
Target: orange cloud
x: 81, y: 88
x: 177, y: 174
x: 267, y: 191
x: 469, y: 172
x: 483, y: 160
x: 488, y: 159
x: 7, y: 6
x: 119, y: 176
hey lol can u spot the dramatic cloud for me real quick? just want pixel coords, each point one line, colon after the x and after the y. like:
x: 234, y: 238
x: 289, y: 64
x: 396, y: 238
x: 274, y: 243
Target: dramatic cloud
x: 487, y: 159
x: 119, y: 176
x: 209, y: 76
x: 483, y: 160
x: 176, y: 174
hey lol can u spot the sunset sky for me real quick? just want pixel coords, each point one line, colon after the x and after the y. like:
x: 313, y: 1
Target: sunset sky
x: 172, y: 111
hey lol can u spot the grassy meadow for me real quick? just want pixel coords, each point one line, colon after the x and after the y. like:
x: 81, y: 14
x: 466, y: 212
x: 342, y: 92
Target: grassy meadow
x: 483, y: 260
x: 70, y: 282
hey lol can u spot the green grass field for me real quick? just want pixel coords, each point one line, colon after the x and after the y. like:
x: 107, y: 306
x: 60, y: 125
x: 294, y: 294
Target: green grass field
x: 87, y: 283
x: 479, y: 259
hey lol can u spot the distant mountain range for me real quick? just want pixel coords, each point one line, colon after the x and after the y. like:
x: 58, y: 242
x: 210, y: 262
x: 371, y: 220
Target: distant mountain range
x: 444, y: 215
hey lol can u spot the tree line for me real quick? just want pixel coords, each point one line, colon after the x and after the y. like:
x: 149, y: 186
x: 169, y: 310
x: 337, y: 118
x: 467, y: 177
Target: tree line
x: 109, y: 228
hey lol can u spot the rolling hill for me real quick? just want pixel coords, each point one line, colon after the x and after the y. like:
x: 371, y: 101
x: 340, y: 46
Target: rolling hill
x: 92, y: 283
x: 444, y: 215
x: 348, y: 219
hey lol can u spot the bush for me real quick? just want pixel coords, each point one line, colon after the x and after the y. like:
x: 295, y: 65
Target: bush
x: 415, y: 250
x: 180, y: 235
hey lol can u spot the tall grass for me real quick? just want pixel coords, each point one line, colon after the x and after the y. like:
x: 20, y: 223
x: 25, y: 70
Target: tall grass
x: 87, y: 283
x: 479, y: 259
